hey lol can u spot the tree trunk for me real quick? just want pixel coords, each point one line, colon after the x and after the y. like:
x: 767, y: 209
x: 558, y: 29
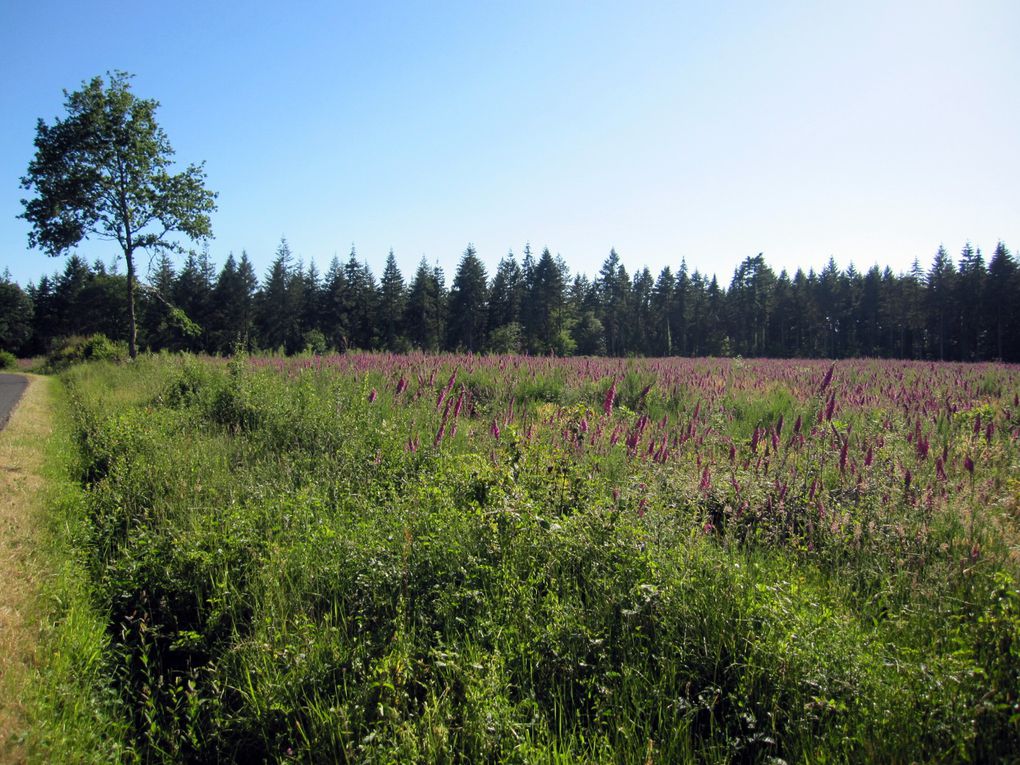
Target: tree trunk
x: 132, y: 327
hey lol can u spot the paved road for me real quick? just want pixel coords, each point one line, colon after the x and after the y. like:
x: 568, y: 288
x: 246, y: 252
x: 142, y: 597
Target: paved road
x: 11, y: 388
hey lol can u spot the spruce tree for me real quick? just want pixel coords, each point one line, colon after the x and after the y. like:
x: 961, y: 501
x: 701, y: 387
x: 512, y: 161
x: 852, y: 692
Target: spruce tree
x: 505, y: 306
x: 468, y: 304
x: 425, y: 308
x: 392, y: 305
x: 1003, y: 299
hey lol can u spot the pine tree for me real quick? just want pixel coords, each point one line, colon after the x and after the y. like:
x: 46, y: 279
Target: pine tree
x: 588, y: 334
x: 233, y: 306
x: 392, y: 306
x: 779, y: 340
x: 468, y: 304
x: 278, y: 318
x: 425, y: 308
x: 661, y: 314
x: 44, y: 317
x: 869, y: 311
x: 829, y: 298
x: 312, y: 336
x: 679, y: 325
x: 940, y: 284
x: 157, y: 329
x: 67, y: 287
x: 614, y: 292
x: 101, y: 305
x: 969, y: 297
x: 362, y: 298
x: 543, y: 305
x: 192, y: 293
x: 1003, y: 299
x: 16, y: 311
x: 851, y: 287
x: 505, y: 298
x: 640, y: 324
x: 335, y: 307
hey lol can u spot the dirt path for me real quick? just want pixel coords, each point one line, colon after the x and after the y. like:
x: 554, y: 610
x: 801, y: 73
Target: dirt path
x: 22, y: 450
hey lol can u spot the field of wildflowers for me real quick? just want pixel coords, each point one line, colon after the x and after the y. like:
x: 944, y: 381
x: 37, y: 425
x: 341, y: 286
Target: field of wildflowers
x: 381, y: 558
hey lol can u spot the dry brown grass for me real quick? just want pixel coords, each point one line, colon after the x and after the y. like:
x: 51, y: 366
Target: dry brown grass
x: 22, y: 449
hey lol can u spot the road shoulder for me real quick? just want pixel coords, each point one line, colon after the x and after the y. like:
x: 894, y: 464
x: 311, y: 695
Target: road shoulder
x: 22, y: 483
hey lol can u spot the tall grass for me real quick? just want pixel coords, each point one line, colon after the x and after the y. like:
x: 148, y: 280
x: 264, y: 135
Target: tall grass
x: 378, y: 558
x: 71, y: 711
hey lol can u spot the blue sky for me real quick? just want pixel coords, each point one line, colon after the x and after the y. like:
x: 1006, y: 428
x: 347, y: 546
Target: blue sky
x: 870, y: 132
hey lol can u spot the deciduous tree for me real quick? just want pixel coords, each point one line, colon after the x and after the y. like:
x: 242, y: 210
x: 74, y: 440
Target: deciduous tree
x: 104, y: 171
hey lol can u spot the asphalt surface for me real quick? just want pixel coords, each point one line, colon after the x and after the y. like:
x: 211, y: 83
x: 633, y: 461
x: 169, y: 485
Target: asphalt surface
x: 11, y: 388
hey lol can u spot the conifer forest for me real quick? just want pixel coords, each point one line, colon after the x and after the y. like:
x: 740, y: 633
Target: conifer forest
x: 963, y: 308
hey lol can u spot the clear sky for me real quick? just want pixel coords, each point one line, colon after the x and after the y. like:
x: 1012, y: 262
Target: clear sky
x: 869, y: 131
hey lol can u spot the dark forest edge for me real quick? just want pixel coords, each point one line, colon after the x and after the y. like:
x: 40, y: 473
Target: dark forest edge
x: 965, y: 310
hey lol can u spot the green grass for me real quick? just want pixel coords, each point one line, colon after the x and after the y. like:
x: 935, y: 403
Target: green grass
x: 262, y: 570
x: 72, y: 711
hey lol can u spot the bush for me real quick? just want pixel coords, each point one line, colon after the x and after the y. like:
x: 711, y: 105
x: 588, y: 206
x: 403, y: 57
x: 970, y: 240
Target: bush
x: 73, y: 350
x: 7, y: 360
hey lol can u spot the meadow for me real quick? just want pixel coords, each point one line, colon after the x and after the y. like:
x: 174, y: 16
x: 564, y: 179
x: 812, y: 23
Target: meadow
x: 383, y: 558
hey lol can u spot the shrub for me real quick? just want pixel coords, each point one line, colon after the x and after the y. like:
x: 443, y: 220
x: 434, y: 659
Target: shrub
x: 76, y: 349
x: 7, y: 360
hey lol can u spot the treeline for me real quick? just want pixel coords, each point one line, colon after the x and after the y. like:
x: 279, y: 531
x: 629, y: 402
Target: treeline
x: 962, y: 309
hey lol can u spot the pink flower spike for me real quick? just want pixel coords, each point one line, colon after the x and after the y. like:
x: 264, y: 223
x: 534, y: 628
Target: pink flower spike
x: 372, y: 396
x: 968, y: 463
x: 706, y: 480
x: 827, y: 379
x: 607, y: 403
x: 830, y: 408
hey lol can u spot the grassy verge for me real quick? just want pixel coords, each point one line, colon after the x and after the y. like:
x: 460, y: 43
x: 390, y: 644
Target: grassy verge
x: 21, y: 482
x: 53, y: 706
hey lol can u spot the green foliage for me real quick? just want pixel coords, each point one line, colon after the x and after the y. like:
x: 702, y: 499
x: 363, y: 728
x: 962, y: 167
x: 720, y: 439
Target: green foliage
x: 539, y: 309
x: 315, y: 342
x: 107, y: 159
x: 16, y: 313
x: 75, y: 711
x: 8, y: 360
x: 507, y: 338
x: 286, y: 574
x: 104, y: 170
x: 74, y: 350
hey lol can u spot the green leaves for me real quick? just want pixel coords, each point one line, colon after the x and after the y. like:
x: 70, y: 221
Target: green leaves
x: 104, y: 171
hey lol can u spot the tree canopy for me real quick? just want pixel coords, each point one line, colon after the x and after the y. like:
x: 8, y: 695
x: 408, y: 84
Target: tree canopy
x: 104, y: 170
x: 955, y: 311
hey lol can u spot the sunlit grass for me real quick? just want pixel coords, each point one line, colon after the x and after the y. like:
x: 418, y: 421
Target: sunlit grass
x: 384, y: 558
